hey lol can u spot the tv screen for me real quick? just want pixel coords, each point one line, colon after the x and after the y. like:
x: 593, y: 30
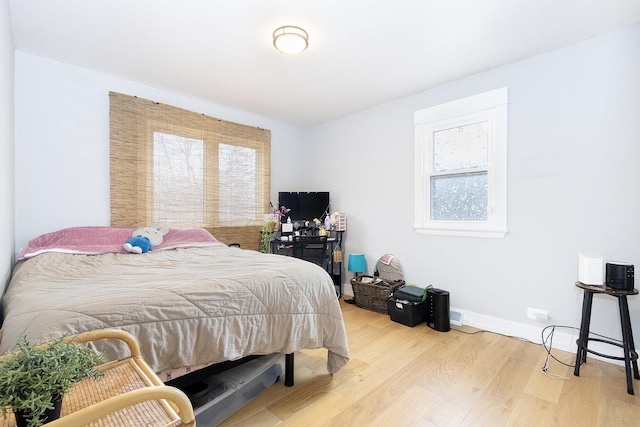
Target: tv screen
x: 305, y: 206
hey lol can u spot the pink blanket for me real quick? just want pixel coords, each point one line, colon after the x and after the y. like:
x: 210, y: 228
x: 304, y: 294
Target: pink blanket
x: 101, y: 240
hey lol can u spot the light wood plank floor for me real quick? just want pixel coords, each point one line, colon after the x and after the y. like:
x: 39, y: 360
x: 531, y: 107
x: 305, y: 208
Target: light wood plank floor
x: 401, y: 376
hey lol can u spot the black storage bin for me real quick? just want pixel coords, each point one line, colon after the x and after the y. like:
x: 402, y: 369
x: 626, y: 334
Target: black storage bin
x: 407, y: 313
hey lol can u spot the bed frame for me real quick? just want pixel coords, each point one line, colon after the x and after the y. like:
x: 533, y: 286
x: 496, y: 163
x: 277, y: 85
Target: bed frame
x: 192, y: 377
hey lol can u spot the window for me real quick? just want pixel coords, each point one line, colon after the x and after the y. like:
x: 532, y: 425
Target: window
x: 178, y: 180
x: 179, y: 168
x: 238, y: 184
x: 461, y: 167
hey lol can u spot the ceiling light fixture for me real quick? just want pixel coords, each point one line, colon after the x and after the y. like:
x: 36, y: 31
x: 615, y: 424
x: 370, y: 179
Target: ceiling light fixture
x: 289, y: 39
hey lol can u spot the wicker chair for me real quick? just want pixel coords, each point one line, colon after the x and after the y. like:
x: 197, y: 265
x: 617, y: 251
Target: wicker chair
x: 129, y: 394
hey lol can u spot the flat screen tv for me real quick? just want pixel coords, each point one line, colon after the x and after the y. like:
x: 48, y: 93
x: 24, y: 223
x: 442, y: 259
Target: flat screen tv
x: 305, y: 206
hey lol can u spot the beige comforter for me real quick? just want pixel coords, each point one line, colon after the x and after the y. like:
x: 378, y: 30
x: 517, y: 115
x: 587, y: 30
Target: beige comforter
x: 187, y: 307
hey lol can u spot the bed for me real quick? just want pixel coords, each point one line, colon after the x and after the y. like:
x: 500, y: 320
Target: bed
x: 191, y: 302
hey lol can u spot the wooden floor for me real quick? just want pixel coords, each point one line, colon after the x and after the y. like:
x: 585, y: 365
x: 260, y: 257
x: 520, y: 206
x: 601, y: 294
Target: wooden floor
x: 401, y: 376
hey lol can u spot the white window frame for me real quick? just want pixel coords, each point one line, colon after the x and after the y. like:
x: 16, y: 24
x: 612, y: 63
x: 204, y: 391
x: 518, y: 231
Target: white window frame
x: 488, y: 106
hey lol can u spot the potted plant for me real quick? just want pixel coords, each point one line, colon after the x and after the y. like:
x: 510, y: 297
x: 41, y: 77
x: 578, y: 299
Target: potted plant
x: 266, y: 235
x: 34, y: 379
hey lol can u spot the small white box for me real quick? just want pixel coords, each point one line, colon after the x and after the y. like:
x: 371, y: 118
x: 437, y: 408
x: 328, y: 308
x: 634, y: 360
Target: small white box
x: 590, y: 269
x: 341, y: 221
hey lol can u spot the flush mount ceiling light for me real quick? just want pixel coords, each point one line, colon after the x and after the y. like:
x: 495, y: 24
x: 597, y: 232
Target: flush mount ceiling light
x: 289, y: 39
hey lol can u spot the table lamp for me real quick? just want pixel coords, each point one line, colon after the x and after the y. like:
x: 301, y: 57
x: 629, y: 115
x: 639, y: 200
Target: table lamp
x: 357, y: 263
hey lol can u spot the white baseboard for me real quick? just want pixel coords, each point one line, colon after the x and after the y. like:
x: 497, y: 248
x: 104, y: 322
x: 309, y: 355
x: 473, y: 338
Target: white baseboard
x: 347, y: 289
x: 563, y: 339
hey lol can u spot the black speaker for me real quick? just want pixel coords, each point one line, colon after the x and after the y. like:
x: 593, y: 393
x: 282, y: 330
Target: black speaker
x: 619, y: 276
x: 438, y: 309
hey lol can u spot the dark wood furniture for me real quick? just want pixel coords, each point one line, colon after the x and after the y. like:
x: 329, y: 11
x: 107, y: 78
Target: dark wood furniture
x: 310, y: 248
x: 630, y: 356
x: 333, y: 265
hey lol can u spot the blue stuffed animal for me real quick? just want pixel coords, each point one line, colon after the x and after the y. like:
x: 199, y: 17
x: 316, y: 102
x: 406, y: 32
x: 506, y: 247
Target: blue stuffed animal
x: 138, y: 245
x: 144, y: 239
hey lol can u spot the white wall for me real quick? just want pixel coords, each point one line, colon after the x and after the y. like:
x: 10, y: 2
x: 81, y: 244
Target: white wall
x: 574, y: 146
x: 574, y: 183
x: 62, y: 143
x: 6, y: 146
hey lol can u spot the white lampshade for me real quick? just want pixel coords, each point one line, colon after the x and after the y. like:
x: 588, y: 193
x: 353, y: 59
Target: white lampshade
x: 290, y: 39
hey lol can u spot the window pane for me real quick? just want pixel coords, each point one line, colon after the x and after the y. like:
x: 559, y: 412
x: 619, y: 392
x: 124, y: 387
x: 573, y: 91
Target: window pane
x: 461, y: 197
x: 178, y: 180
x: 238, y: 184
x: 460, y: 147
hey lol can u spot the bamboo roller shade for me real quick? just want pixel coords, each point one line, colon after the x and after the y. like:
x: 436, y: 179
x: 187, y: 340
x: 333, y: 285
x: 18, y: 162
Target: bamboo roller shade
x: 223, y: 198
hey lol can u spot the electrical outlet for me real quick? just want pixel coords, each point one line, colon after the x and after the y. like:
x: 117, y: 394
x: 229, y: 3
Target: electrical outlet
x: 537, y: 314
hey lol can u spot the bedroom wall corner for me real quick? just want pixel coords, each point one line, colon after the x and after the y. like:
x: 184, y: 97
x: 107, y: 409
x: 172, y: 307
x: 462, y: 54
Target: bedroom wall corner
x: 7, y: 147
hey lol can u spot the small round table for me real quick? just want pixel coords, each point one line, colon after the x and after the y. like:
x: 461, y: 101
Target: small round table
x: 630, y: 356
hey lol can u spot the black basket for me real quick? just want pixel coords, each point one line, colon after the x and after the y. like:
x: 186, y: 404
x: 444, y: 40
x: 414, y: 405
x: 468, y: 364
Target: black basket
x: 406, y: 312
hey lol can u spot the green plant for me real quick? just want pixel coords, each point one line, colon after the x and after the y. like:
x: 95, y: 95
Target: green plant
x: 33, y: 376
x: 266, y: 235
